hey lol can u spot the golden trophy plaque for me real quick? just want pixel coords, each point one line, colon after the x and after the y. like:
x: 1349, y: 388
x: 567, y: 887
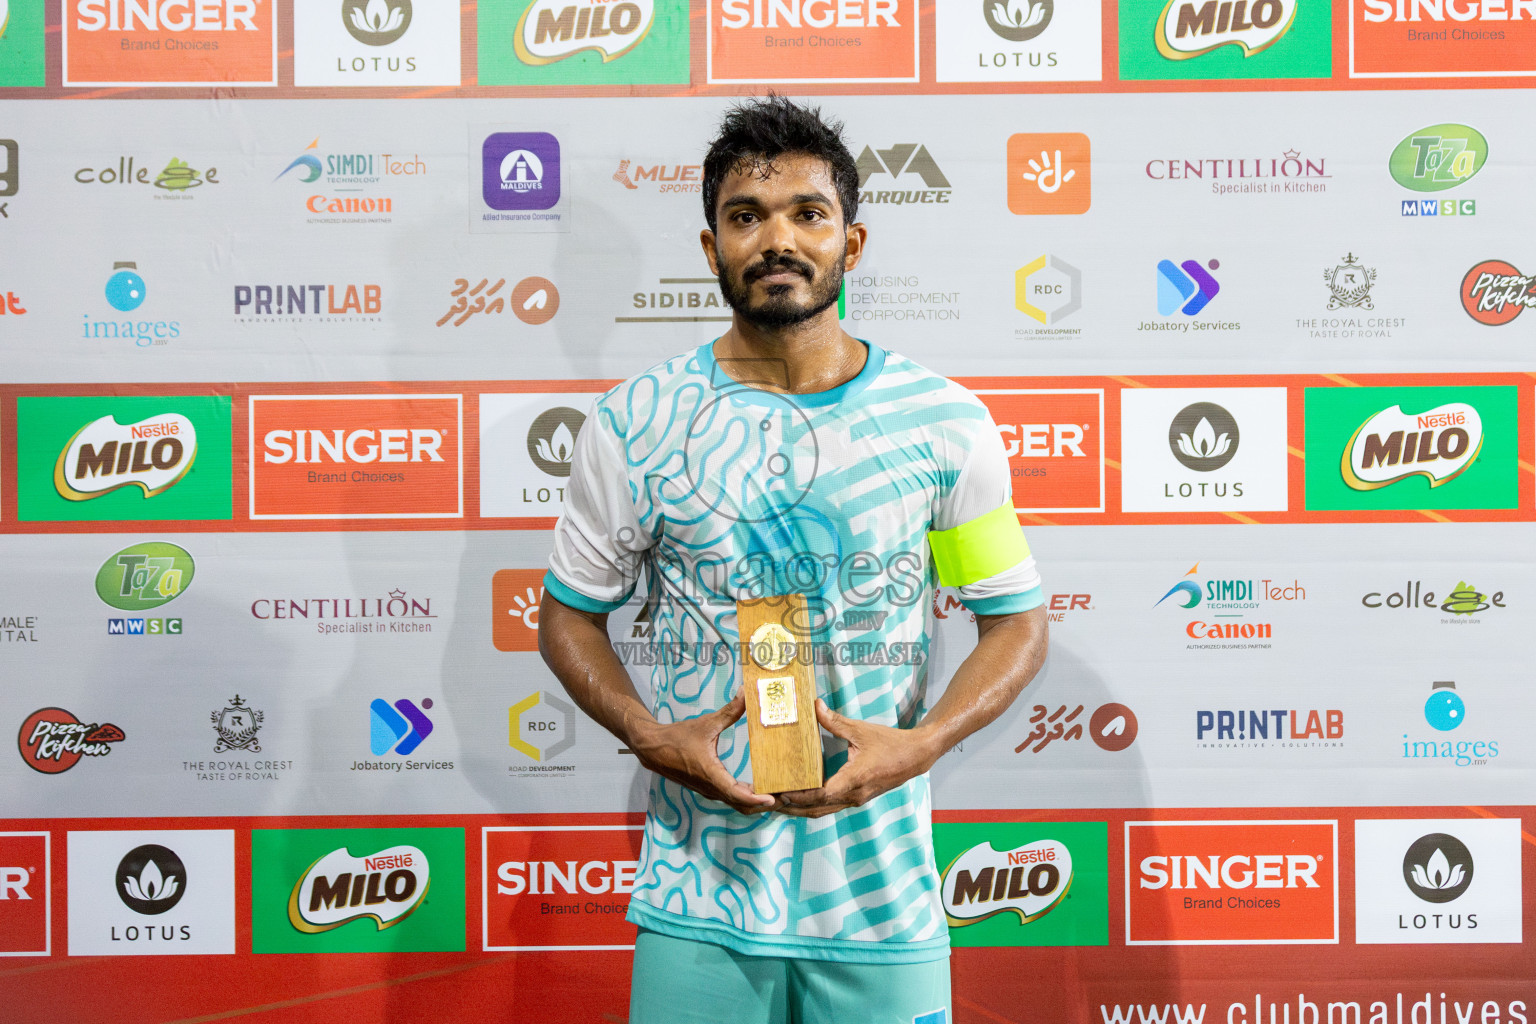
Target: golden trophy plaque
x: 776, y: 673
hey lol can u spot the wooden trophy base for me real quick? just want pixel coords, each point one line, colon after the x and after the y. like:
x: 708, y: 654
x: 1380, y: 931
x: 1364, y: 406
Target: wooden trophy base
x: 780, y: 685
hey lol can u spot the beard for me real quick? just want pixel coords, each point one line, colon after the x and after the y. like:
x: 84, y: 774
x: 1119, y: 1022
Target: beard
x: 780, y: 309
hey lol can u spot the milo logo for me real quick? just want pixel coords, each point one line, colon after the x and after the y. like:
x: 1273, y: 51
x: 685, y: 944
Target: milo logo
x: 386, y: 886
x: 1439, y: 157
x: 1439, y: 445
x: 103, y: 455
x: 1028, y: 881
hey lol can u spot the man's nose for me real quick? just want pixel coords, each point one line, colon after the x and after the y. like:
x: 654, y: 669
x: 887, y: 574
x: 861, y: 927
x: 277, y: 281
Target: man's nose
x: 779, y: 234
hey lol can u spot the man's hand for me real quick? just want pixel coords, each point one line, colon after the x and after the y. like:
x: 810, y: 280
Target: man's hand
x: 687, y: 752
x: 880, y: 758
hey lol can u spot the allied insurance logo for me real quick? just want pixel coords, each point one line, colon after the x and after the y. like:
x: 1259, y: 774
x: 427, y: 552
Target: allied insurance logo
x: 1411, y: 448
x: 584, y: 42
x: 1054, y: 444
x: 811, y: 41
x: 170, y: 42
x: 560, y: 887
x: 124, y: 458
x: 1024, y: 884
x: 1403, y: 39
x: 1231, y: 882
x: 357, y: 890
x: 1221, y: 39
x: 356, y: 456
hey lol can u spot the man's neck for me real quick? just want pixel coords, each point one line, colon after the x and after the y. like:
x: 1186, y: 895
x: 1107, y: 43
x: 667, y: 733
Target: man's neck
x: 817, y: 355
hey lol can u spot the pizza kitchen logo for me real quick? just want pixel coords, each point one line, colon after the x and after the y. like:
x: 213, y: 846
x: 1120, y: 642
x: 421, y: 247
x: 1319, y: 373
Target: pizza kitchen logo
x: 1494, y: 292
x: 53, y: 740
x: 385, y: 887
x: 1439, y: 445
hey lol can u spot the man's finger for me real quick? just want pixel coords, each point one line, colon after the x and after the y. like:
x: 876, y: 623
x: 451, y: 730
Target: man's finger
x: 838, y: 725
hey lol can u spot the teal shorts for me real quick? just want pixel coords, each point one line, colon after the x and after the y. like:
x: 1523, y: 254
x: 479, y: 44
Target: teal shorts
x: 678, y: 981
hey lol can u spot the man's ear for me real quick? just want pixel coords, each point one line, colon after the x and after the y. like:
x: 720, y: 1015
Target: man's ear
x: 858, y: 234
x: 707, y: 243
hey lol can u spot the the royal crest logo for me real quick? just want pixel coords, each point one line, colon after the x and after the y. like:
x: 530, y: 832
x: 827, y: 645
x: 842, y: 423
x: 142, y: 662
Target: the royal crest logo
x: 552, y: 30
x: 237, y: 725
x: 1028, y: 881
x: 104, y: 455
x: 387, y: 886
x: 1349, y: 284
x: 1188, y: 29
x: 1439, y: 445
x: 52, y: 740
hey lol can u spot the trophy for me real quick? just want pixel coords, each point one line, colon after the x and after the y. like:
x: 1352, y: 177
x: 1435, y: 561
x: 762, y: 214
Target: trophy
x: 780, y: 686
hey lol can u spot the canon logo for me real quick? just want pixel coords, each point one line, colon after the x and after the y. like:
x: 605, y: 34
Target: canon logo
x: 1239, y: 871
x: 1439, y: 10
x: 13, y: 884
x: 166, y: 15
x: 808, y: 13
x: 1042, y: 440
x: 546, y: 878
x: 413, y: 444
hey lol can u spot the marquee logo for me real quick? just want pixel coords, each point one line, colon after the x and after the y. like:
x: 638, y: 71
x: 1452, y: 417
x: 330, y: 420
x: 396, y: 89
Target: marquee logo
x: 907, y: 158
x: 812, y: 41
x: 1054, y: 448
x: 170, y: 42
x: 1439, y: 445
x: 1188, y: 29
x: 1028, y: 881
x: 558, y: 888
x: 552, y: 30
x: 152, y: 454
x: 1493, y: 292
x: 376, y: 22
x: 145, y: 576
x: 25, y: 894
x: 541, y: 726
x: 1439, y: 157
x: 387, y: 887
x: 52, y: 740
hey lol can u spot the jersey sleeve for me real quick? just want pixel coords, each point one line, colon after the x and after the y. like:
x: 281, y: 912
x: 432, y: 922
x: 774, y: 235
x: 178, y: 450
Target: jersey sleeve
x: 977, y: 543
x: 599, y: 542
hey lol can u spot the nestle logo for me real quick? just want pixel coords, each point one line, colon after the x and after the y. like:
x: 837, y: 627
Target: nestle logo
x: 384, y: 863
x: 155, y: 430
x: 1443, y: 419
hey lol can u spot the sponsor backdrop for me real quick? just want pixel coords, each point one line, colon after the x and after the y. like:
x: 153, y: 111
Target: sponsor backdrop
x: 303, y: 305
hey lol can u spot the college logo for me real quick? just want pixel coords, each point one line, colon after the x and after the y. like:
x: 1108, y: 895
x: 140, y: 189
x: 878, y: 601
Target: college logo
x: 1208, y: 449
x: 1231, y: 882
x: 1216, y: 39
x: 356, y: 456
x: 541, y: 726
x: 907, y: 158
x: 1493, y: 292
x: 1439, y: 157
x: 559, y: 888
x: 1034, y: 884
x: 541, y: 426
x: 1397, y: 39
x: 145, y: 576
x: 1055, y: 452
x: 1048, y: 290
x: 170, y: 42
x: 236, y: 725
x: 178, y: 177
x: 515, y: 598
x: 590, y: 42
x: 25, y: 894
x: 151, y: 892
x: 1049, y: 173
x: 357, y: 890
x: 1463, y: 602
x: 1185, y: 287
x: 1438, y: 880
x: 1411, y: 448
x: 52, y: 740
x: 804, y: 41
x: 1349, y: 284
x: 1445, y: 711
x: 152, y: 454
x: 375, y: 42
x: 400, y: 728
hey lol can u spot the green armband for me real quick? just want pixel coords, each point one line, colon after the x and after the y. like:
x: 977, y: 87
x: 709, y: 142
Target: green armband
x: 979, y: 549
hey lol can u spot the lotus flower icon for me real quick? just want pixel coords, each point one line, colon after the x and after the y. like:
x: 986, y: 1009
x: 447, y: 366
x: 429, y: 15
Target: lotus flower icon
x: 1438, y: 867
x: 1438, y: 872
x: 558, y: 446
x: 1204, y: 442
x: 151, y: 886
x: 1018, y: 13
x: 377, y: 17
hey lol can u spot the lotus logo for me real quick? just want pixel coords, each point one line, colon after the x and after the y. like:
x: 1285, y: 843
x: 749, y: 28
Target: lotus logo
x: 552, y: 440
x: 1029, y: 880
x: 1203, y: 437
x: 1439, y: 445
x: 104, y: 455
x: 387, y: 886
x: 151, y: 879
x: 1018, y: 20
x: 376, y: 22
x: 1438, y: 868
x: 1188, y: 29
x: 1439, y: 157
x: 552, y: 30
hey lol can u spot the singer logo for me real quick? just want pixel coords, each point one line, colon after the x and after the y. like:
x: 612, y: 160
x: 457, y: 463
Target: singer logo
x: 1423, y: 39
x: 356, y: 456
x: 153, y: 454
x: 170, y: 42
x: 1052, y: 440
x: 24, y: 894
x: 1438, y: 445
x: 1231, y: 882
x: 812, y: 40
x: 559, y: 888
x: 387, y: 887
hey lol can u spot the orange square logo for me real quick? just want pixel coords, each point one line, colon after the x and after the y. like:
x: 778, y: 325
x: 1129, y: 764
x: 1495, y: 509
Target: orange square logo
x: 515, y: 597
x: 1049, y: 172
x: 356, y: 456
x: 811, y: 41
x: 1054, y: 446
x: 1231, y: 882
x: 170, y: 42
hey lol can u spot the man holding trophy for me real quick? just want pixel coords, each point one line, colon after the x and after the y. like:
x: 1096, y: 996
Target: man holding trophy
x: 792, y: 495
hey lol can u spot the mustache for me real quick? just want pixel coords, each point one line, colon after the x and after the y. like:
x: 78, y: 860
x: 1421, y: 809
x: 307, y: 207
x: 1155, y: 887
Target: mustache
x: 773, y: 263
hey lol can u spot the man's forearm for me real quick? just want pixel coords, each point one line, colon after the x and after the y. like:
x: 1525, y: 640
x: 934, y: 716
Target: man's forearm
x: 576, y: 648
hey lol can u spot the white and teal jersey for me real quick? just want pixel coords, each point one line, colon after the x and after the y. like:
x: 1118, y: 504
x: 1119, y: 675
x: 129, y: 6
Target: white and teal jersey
x: 716, y: 490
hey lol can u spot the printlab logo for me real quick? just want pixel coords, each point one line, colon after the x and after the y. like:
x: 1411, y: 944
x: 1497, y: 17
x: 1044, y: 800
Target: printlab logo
x: 1493, y: 292
x: 236, y: 725
x: 1257, y: 727
x: 1349, y: 284
x: 541, y: 726
x: 521, y: 171
x: 534, y: 300
x: 52, y: 740
x: 1185, y: 287
x: 1048, y: 290
x: 1113, y: 727
x: 400, y: 728
x: 552, y: 440
x: 515, y: 598
x: 1203, y: 437
x: 151, y: 879
x: 1049, y: 173
x: 1438, y: 867
x: 314, y: 303
x: 376, y: 22
x: 910, y: 159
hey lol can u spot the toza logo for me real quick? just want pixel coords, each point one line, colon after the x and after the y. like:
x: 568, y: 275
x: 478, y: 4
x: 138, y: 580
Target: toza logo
x: 1186, y: 29
x: 151, y: 879
x: 376, y: 22
x: 153, y: 454
x: 1349, y: 284
x: 1029, y: 881
x: 1203, y: 437
x: 1439, y: 157
x: 1393, y: 445
x: 387, y: 886
x: 552, y: 30
x: 144, y: 576
x: 1438, y: 867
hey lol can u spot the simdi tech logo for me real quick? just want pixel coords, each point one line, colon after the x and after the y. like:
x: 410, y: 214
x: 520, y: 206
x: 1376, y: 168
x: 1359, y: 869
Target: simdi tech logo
x: 376, y: 42
x: 1433, y: 880
x: 560, y: 887
x: 26, y: 895
x: 21, y: 44
x: 1055, y: 450
x: 1018, y: 41
x: 1419, y: 39
x: 1024, y: 884
x: 1049, y: 173
x: 357, y: 890
x: 170, y: 42
x: 1443, y: 447
x: 811, y: 41
x: 584, y: 42
x: 124, y: 458
x: 1225, y: 39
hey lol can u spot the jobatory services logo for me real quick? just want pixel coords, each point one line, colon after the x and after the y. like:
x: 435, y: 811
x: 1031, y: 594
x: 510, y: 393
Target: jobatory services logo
x: 515, y: 598
x: 518, y: 179
x: 1048, y: 290
x: 1434, y: 880
x: 123, y: 458
x: 21, y: 44
x: 584, y: 42
x: 53, y: 740
x: 161, y: 892
x: 356, y: 456
x: 1112, y: 727
x: 533, y: 300
x: 398, y: 728
x: 1186, y: 288
x: 357, y: 890
x: 1231, y: 882
x: 26, y: 894
x: 906, y: 165
x: 811, y: 41
x: 1411, y: 448
x: 1461, y: 605
x: 1024, y: 884
x: 1435, y: 159
x: 541, y: 727
x: 170, y: 42
x: 1206, y: 449
x: 528, y: 441
x: 1053, y: 440
x: 1403, y: 39
x: 1225, y: 39
x: 1494, y: 292
x: 1018, y: 41
x: 565, y: 887
x: 1445, y: 711
x: 1049, y: 173
x: 376, y: 42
